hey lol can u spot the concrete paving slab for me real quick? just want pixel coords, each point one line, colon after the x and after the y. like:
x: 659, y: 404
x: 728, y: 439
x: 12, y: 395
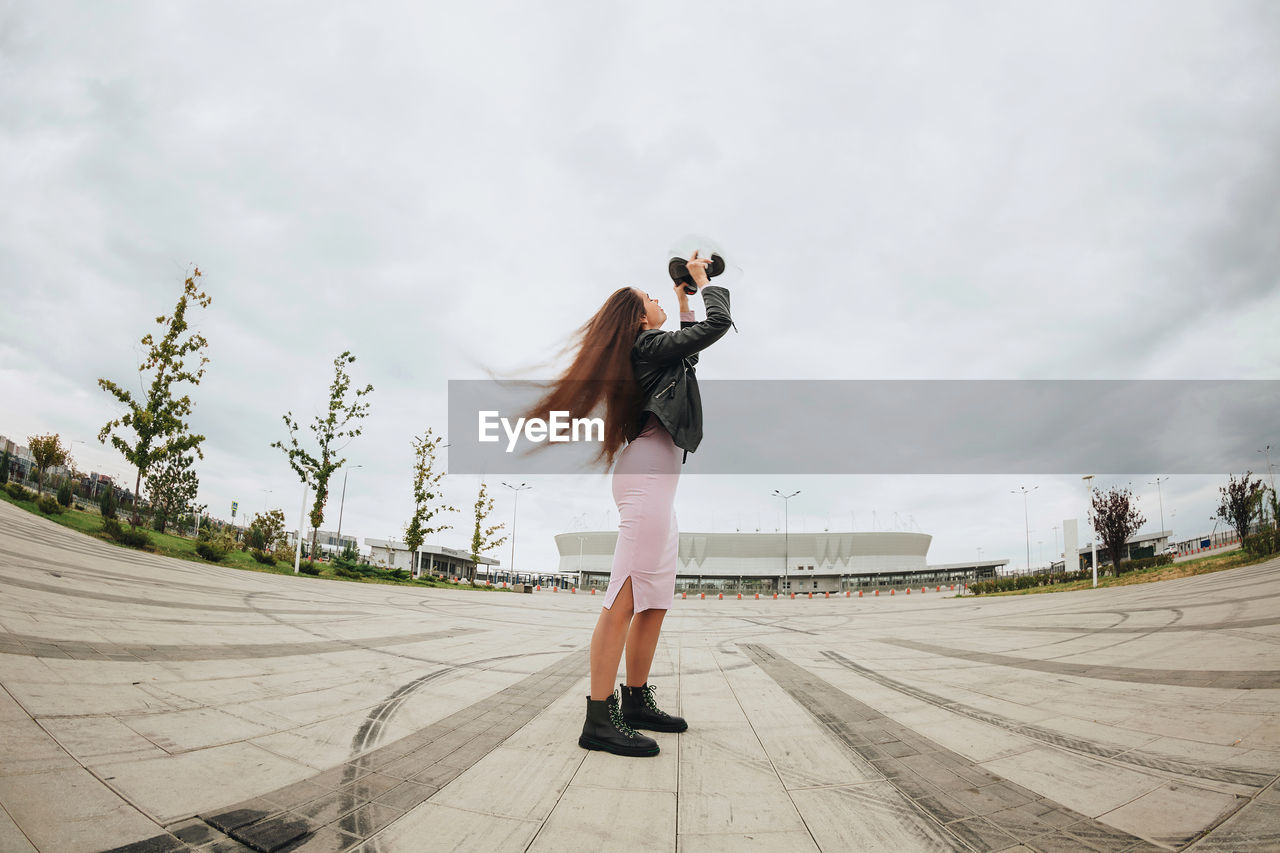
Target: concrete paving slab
x: 71, y: 811
x: 756, y: 842
x: 178, y: 786
x: 872, y: 817
x: 106, y: 738
x: 589, y: 820
x: 11, y: 838
x: 27, y: 748
x: 1088, y: 786
x: 1173, y: 814
x: 357, y: 716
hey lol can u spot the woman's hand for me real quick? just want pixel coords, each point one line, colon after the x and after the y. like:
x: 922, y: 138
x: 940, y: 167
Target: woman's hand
x: 698, y: 269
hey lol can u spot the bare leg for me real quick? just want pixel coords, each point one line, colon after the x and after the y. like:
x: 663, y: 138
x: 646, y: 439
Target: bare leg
x: 607, y: 642
x: 642, y: 641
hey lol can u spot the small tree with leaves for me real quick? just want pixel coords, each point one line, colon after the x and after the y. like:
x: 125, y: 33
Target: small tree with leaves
x: 333, y: 432
x: 484, y: 538
x: 1239, y: 500
x: 158, y: 420
x: 426, y: 496
x: 107, y: 502
x: 47, y: 451
x: 1115, y: 518
x: 268, y: 528
x: 5, y: 462
x: 172, y: 486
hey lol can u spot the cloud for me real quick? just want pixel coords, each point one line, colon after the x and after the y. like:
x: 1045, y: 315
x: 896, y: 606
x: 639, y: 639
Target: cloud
x: 1070, y: 190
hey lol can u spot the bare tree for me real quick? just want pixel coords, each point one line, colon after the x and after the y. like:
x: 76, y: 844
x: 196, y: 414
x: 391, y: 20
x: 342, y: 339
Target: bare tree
x: 158, y: 420
x: 1115, y: 518
x: 337, y: 428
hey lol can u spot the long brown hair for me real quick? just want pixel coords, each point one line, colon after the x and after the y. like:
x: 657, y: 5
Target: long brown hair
x: 601, y: 373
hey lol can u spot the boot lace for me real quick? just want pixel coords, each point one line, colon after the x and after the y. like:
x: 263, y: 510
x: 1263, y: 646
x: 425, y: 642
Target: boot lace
x: 647, y: 692
x: 615, y: 716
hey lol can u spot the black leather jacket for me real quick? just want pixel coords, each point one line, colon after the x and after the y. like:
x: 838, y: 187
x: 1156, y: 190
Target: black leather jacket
x: 664, y: 369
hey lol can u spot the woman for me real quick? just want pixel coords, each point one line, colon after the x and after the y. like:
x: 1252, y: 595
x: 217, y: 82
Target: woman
x: 644, y: 377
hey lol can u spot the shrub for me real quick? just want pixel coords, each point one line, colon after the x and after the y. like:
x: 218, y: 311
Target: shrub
x: 263, y: 557
x: 17, y: 492
x: 4, y: 468
x: 48, y: 505
x: 64, y: 494
x: 131, y: 536
x: 135, y: 537
x: 107, y: 502
x: 1262, y: 544
x: 308, y: 567
x: 214, y: 547
x: 342, y: 571
x: 211, y: 552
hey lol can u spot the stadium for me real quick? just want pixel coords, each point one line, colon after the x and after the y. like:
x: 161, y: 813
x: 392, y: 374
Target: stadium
x: 778, y: 562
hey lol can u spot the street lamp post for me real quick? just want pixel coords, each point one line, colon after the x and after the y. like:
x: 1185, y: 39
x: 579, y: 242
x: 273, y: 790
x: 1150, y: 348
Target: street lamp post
x: 786, y: 535
x: 302, y: 516
x: 1266, y: 451
x: 1025, y: 517
x: 1093, y: 556
x: 343, y: 502
x: 1160, y: 498
x: 514, y: 506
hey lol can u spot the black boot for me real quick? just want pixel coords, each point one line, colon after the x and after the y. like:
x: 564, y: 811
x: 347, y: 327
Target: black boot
x: 641, y: 712
x: 605, y: 729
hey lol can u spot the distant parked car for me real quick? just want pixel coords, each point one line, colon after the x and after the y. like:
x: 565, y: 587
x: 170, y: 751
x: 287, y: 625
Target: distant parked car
x: 1172, y: 550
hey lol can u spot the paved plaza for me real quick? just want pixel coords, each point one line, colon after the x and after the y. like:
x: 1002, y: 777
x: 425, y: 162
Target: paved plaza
x: 154, y: 704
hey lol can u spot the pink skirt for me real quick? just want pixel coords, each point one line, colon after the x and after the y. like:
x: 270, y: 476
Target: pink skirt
x: 644, y: 488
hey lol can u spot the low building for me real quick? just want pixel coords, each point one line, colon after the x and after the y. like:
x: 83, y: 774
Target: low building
x: 777, y: 562
x: 432, y: 559
x: 326, y: 541
x: 1136, y: 547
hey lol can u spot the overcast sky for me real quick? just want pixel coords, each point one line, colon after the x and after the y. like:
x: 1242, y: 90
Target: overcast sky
x: 912, y: 190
